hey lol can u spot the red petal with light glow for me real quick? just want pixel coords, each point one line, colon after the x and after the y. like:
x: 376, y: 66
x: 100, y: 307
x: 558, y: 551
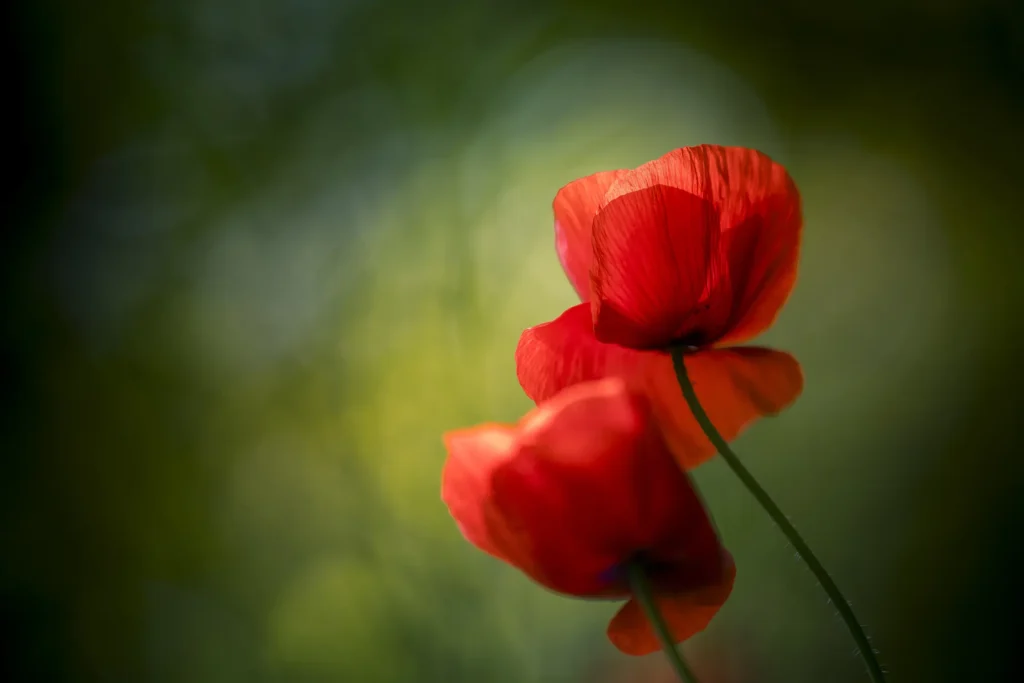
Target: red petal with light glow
x: 735, y: 386
x: 575, y: 207
x: 700, y: 245
x: 656, y: 276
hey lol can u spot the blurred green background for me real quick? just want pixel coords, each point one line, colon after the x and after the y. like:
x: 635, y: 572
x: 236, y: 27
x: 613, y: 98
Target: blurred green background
x: 259, y: 255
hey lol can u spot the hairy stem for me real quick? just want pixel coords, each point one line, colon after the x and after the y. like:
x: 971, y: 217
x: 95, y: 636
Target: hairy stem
x: 645, y: 596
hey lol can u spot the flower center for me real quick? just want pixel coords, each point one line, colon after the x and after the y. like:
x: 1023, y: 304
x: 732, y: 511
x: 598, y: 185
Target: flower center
x: 654, y: 568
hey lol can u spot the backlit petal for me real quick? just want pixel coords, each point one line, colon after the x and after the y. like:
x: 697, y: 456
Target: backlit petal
x: 735, y: 386
x: 655, y: 269
x: 735, y: 241
x: 686, y: 614
x: 575, y: 207
x: 558, y: 354
x: 762, y: 254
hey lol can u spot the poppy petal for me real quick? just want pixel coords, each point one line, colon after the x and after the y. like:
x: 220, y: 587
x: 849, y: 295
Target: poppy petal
x: 762, y: 222
x: 558, y: 354
x: 685, y: 613
x: 735, y: 386
x: 655, y: 269
x: 763, y: 254
x: 687, y: 551
x: 473, y: 456
x: 754, y: 224
x: 593, y: 482
x: 575, y: 207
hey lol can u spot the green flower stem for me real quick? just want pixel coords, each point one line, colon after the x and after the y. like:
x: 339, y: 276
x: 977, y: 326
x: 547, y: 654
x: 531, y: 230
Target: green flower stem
x: 867, y: 653
x: 642, y: 592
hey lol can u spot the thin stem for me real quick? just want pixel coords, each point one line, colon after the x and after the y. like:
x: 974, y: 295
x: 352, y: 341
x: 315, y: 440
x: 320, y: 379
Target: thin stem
x: 645, y: 596
x: 867, y: 653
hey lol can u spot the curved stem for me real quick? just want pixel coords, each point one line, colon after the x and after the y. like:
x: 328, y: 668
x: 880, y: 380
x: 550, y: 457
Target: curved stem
x: 645, y: 596
x: 867, y: 653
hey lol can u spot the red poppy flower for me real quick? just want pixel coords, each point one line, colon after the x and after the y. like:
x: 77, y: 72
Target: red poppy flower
x: 581, y: 486
x: 698, y: 249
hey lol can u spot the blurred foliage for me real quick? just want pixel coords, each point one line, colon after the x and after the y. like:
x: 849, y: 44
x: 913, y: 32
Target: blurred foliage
x: 261, y: 255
